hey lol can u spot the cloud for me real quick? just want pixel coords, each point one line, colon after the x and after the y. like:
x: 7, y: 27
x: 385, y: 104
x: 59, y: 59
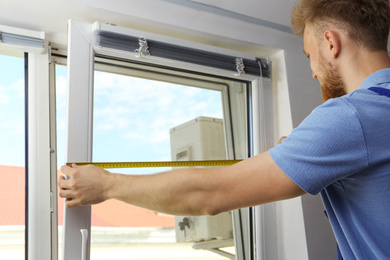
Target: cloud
x: 12, y: 125
x: 12, y: 107
x: 14, y: 91
x: 137, y: 98
x: 4, y: 97
x: 140, y: 113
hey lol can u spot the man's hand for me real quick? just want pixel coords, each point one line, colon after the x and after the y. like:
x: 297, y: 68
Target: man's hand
x: 281, y: 139
x: 83, y: 185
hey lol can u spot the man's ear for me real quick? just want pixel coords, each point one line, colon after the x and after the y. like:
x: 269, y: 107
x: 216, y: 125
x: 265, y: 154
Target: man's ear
x: 333, y: 41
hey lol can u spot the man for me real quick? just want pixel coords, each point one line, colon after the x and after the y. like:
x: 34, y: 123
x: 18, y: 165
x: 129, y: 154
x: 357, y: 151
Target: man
x: 341, y: 150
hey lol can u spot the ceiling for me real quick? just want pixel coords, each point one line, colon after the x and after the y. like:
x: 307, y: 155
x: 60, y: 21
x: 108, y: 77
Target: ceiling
x: 153, y: 16
x: 51, y: 16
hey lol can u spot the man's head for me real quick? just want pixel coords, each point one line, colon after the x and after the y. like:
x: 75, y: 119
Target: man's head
x: 365, y: 21
x: 322, y: 24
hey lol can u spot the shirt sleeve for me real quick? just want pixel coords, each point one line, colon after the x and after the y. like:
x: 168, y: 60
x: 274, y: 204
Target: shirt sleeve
x: 328, y: 146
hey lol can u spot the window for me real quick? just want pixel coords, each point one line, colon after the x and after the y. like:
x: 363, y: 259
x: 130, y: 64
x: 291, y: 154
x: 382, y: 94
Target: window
x: 100, y: 108
x: 31, y: 72
x: 12, y: 157
x: 143, y: 114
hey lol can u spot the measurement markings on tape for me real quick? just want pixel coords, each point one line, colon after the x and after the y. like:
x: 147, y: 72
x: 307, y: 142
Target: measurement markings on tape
x: 107, y: 165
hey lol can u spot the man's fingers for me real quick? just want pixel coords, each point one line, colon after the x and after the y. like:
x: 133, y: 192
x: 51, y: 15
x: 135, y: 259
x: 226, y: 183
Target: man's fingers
x: 64, y: 193
x: 67, y: 173
x: 63, y: 182
x: 65, y: 169
x: 69, y: 203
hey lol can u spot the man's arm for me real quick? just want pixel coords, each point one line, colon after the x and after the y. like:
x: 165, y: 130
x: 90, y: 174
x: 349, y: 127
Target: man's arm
x: 191, y: 191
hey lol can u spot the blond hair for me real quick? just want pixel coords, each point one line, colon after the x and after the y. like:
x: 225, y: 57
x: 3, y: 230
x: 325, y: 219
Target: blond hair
x: 365, y: 21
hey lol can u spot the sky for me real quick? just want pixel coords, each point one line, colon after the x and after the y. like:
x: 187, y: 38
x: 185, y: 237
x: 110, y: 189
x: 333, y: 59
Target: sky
x: 11, y: 111
x: 132, y: 116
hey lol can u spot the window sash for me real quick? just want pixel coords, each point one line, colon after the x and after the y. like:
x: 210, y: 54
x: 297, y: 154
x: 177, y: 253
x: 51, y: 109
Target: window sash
x: 83, y: 49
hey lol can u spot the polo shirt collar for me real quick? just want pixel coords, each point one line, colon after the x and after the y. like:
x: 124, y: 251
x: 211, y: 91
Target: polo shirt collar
x: 377, y: 78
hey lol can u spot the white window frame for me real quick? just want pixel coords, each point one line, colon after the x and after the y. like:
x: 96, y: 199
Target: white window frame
x: 42, y: 213
x: 81, y: 51
x: 42, y: 169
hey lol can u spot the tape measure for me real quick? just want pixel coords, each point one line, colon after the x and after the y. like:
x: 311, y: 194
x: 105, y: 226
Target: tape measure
x: 107, y: 165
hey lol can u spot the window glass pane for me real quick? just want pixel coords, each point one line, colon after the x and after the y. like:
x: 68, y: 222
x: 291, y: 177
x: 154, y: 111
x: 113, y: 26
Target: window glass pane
x: 12, y: 158
x: 133, y: 116
x: 144, y: 119
x: 61, y: 83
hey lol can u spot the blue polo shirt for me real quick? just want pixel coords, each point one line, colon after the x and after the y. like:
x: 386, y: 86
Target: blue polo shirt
x: 342, y: 150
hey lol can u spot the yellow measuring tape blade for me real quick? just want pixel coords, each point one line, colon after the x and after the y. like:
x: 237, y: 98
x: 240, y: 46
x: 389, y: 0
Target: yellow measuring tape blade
x: 107, y: 165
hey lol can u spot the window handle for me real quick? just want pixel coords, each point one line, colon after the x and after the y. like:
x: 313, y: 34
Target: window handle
x: 84, y: 241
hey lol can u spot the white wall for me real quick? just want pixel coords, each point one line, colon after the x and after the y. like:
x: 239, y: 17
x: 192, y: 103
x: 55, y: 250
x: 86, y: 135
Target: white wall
x: 233, y: 32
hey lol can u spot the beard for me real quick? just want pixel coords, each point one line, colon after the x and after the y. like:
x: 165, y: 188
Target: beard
x: 332, y: 84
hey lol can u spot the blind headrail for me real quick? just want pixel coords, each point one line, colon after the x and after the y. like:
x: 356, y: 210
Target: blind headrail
x: 141, y: 46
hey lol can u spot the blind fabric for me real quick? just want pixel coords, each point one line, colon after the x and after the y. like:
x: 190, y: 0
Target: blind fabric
x: 14, y: 39
x: 184, y: 54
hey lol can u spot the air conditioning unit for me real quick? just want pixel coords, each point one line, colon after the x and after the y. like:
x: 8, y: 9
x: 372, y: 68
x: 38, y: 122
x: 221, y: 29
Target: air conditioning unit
x: 200, y: 139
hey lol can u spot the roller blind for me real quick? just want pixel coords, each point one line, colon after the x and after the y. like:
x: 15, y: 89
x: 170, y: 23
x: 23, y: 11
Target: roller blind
x: 21, y: 40
x: 128, y: 43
